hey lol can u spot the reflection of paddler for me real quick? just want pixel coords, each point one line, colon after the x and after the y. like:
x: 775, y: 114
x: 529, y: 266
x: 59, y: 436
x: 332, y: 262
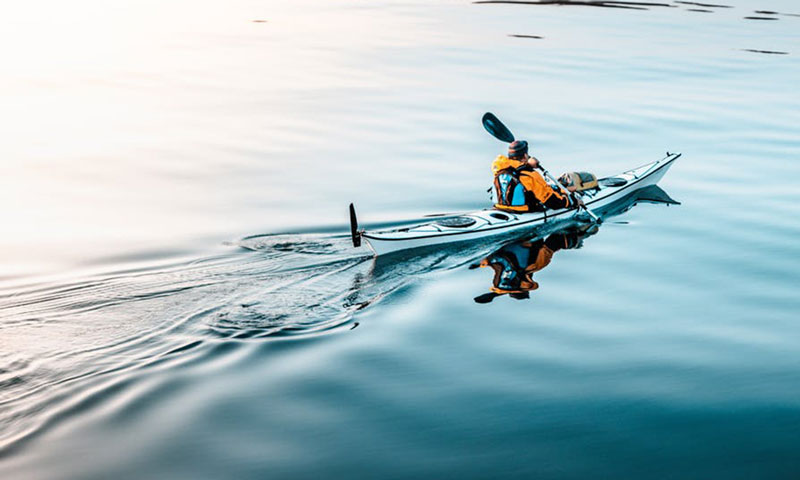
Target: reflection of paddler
x: 515, y: 264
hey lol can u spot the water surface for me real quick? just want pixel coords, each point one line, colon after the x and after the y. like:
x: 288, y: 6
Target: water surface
x: 178, y: 297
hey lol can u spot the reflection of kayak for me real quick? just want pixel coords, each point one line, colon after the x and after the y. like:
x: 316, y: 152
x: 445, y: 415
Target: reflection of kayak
x: 491, y: 223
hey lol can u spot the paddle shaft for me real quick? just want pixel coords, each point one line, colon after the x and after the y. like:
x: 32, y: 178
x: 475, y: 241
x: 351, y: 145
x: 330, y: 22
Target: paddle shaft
x: 558, y: 184
x: 561, y: 188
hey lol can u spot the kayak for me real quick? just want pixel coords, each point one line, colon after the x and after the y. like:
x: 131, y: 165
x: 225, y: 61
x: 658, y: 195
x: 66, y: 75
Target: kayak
x: 491, y: 223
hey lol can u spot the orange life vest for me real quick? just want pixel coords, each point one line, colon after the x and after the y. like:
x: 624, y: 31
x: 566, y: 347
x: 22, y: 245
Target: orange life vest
x: 514, y: 189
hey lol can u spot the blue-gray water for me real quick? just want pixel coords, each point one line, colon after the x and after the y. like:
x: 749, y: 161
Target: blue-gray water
x: 178, y: 298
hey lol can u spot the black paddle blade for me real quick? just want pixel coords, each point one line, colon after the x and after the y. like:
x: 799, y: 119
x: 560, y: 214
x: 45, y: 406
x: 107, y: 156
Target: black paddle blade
x: 495, y: 127
x: 354, y: 233
x: 486, y: 297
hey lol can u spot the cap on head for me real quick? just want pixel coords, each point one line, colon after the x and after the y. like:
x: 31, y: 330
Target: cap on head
x: 517, y: 149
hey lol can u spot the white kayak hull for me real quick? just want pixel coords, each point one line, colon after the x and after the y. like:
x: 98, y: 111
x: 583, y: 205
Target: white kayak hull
x: 491, y: 223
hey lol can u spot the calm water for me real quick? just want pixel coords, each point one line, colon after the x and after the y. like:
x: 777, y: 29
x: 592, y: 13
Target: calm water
x: 178, y: 298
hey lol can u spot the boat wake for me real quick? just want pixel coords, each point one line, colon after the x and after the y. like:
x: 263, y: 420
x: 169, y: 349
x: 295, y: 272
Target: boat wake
x: 67, y: 347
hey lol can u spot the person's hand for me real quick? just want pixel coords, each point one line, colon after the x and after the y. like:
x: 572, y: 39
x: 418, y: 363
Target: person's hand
x: 533, y: 162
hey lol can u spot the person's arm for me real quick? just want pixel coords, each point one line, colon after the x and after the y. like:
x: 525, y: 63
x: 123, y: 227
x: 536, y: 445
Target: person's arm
x: 533, y: 162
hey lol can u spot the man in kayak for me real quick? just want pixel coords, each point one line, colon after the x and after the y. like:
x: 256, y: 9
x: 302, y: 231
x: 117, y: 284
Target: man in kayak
x: 519, y: 187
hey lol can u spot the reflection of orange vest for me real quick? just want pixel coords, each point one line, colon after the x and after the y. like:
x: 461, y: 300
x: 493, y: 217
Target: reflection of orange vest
x: 509, y: 275
x: 531, y: 180
x: 543, y: 258
x: 523, y: 284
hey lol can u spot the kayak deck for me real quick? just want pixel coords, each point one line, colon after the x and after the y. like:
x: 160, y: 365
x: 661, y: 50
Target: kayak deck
x: 491, y: 222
